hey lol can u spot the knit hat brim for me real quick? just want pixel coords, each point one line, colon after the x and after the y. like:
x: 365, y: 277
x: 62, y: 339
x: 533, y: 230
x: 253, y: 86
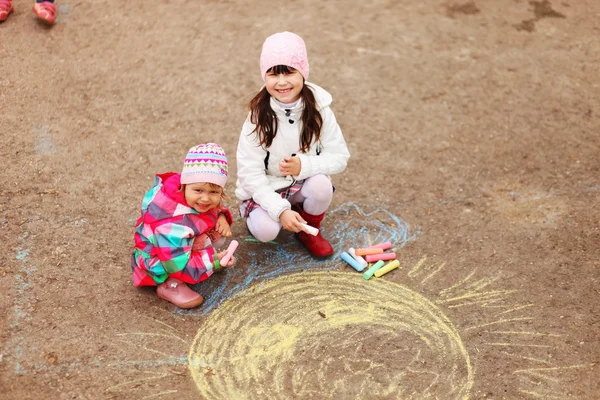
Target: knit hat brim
x: 203, y: 177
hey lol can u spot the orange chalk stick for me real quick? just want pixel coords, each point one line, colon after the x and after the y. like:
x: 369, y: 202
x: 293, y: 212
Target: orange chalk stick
x: 383, y: 256
x: 368, y: 250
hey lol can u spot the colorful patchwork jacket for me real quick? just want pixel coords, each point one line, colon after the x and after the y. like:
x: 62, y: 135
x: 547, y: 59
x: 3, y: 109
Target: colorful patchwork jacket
x: 165, y: 234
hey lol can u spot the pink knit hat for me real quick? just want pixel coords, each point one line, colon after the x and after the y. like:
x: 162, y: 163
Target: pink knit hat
x: 205, y: 163
x: 284, y: 48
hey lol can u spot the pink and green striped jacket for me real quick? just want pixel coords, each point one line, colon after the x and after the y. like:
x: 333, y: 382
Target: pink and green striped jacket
x: 165, y: 234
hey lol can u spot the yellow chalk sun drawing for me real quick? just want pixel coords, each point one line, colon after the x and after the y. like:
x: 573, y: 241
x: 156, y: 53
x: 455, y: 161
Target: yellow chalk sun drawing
x: 333, y: 335
x: 329, y: 335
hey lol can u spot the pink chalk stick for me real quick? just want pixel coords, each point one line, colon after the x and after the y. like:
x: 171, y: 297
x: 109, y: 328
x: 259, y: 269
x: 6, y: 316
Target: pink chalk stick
x: 369, y: 250
x: 384, y: 245
x: 382, y: 256
x: 232, y: 247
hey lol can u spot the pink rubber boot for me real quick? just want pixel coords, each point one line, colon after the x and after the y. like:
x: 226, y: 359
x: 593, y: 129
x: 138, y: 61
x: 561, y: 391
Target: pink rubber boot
x: 178, y: 293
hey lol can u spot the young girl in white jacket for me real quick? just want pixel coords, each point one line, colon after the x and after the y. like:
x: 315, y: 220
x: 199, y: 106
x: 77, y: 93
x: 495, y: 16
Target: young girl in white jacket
x: 289, y: 146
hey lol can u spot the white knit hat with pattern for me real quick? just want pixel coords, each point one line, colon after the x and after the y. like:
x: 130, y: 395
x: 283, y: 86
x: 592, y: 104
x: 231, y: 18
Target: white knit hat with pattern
x: 205, y: 163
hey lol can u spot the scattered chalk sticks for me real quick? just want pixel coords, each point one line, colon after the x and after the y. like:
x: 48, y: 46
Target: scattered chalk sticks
x: 368, y: 250
x: 383, y: 256
x: 353, y: 263
x: 229, y: 252
x: 360, y: 260
x: 384, y: 246
x: 367, y: 275
x: 373, y: 254
x: 389, y: 267
x: 310, y: 229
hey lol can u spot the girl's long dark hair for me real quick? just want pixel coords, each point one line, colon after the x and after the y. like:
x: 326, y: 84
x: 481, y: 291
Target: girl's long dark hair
x: 263, y: 116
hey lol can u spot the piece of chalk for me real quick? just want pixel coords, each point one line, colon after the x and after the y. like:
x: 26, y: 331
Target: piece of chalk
x: 353, y: 263
x: 229, y: 252
x: 367, y: 275
x: 310, y: 229
x: 385, y: 245
x: 383, y: 256
x: 360, y: 260
x: 368, y: 250
x: 390, y: 266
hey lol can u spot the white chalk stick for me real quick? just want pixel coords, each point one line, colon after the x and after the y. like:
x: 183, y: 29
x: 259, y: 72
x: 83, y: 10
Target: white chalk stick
x: 310, y: 229
x: 360, y: 260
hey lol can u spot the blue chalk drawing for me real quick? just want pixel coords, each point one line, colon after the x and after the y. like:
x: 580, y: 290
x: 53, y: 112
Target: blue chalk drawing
x: 20, y: 313
x: 347, y: 226
x: 76, y: 222
x: 62, y: 15
x: 43, y: 140
x: 267, y: 261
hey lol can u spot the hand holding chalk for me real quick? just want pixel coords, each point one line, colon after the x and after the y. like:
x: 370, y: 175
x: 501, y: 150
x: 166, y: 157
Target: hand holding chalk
x: 229, y: 252
x: 310, y: 229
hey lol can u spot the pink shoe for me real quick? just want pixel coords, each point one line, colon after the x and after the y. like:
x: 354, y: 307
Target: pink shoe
x: 178, y: 293
x: 45, y: 11
x: 5, y: 9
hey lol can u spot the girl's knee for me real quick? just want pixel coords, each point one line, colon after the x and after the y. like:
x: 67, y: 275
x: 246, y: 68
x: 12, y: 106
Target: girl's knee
x: 319, y: 187
x: 264, y: 230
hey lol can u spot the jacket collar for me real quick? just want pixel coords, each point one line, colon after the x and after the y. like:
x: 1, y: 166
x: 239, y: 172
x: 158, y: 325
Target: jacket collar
x: 294, y: 112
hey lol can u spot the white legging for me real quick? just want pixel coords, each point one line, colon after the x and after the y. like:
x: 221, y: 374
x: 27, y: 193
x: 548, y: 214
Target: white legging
x: 316, y: 194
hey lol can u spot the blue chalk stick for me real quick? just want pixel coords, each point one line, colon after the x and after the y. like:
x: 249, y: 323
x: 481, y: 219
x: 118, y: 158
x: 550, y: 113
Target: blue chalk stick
x: 353, y: 263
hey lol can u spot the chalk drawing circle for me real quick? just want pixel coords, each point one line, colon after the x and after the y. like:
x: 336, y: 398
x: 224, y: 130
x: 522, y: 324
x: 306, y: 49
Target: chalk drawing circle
x: 326, y: 334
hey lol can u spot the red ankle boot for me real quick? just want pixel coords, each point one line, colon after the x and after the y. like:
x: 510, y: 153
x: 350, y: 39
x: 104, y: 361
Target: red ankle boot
x: 318, y: 246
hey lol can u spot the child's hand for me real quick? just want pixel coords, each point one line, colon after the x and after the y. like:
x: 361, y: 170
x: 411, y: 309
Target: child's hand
x: 290, y: 166
x: 200, y: 242
x: 291, y: 221
x: 231, y: 261
x: 214, y: 236
x: 222, y: 226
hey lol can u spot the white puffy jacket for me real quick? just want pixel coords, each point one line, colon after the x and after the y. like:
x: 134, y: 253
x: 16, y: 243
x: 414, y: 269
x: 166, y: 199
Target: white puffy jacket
x: 328, y: 156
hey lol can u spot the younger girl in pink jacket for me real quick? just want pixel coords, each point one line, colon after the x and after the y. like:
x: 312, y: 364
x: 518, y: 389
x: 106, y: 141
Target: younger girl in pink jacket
x: 182, y: 218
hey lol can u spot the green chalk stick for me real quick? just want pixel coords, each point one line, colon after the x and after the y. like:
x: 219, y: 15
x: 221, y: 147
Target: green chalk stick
x: 367, y: 275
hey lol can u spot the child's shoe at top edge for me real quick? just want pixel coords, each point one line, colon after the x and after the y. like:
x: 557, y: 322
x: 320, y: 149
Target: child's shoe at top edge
x: 178, y: 293
x: 45, y: 11
x: 5, y: 9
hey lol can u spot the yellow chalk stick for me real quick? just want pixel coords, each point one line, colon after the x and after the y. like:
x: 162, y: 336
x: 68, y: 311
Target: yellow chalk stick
x: 384, y: 270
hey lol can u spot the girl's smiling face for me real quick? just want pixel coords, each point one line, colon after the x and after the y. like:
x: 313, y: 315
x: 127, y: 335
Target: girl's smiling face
x: 203, y: 197
x: 284, y: 83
